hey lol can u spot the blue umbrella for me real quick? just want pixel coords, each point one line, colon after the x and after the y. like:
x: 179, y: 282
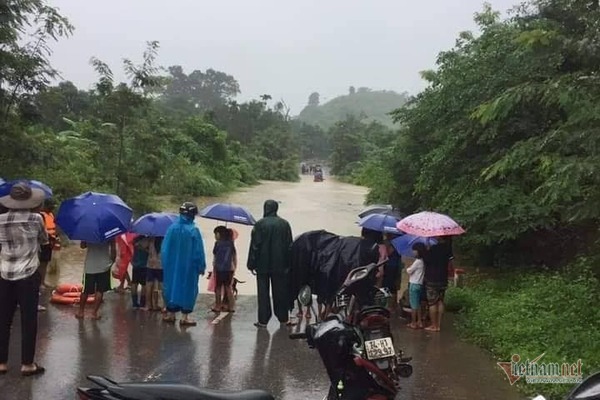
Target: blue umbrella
x: 94, y: 217
x: 154, y: 224
x: 380, y: 223
x: 404, y: 243
x: 228, y: 213
x: 375, y: 209
x: 6, y: 186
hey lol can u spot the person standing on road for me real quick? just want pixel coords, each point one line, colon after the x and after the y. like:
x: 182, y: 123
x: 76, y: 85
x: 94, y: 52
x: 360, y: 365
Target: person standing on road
x: 46, y: 250
x: 22, y: 232
x: 183, y: 261
x: 437, y: 261
x: 269, y: 260
x: 99, y: 258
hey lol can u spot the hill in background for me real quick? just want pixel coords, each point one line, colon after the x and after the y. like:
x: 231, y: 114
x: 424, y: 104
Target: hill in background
x: 373, y: 105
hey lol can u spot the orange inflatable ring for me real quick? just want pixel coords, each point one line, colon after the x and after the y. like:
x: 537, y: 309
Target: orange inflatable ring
x: 69, y: 288
x: 74, y: 295
x: 58, y: 298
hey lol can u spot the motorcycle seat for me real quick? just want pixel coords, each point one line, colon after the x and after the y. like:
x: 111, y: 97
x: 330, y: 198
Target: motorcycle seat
x: 176, y: 391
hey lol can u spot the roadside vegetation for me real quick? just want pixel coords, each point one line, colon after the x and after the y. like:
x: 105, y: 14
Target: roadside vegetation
x: 505, y: 139
x: 164, y: 131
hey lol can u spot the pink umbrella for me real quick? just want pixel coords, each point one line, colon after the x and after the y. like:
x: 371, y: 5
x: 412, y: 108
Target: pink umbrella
x: 429, y: 224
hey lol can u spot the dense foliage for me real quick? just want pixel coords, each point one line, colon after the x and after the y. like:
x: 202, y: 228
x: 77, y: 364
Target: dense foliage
x: 540, y: 313
x: 159, y: 133
x: 505, y: 137
x: 369, y: 105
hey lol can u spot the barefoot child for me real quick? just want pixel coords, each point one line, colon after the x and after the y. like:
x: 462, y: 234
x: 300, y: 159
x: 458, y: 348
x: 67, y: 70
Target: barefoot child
x: 99, y: 258
x: 139, y: 263
x: 154, y: 275
x: 224, y: 265
x: 416, y: 272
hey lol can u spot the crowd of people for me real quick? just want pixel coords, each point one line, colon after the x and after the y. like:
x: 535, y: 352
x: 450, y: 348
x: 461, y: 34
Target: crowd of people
x: 428, y: 274
x: 166, y: 271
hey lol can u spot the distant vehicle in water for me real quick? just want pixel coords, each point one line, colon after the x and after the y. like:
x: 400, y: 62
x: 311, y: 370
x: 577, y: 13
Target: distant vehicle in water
x: 318, y: 175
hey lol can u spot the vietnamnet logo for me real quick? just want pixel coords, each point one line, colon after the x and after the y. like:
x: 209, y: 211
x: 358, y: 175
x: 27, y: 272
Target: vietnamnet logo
x: 536, y: 372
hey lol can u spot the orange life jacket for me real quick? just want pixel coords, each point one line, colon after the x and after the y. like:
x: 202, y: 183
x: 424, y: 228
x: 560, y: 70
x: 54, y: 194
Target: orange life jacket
x: 49, y: 223
x: 50, y: 226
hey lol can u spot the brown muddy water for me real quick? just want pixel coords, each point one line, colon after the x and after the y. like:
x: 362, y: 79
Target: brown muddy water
x: 307, y: 205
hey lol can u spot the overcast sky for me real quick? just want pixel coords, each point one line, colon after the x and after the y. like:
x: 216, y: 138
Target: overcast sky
x: 284, y: 48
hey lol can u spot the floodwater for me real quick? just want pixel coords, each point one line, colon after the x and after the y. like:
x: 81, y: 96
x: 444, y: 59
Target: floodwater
x: 135, y: 345
x: 307, y: 205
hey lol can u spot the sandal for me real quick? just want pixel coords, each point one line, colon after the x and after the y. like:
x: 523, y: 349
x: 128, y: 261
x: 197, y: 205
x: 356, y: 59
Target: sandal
x: 37, y: 371
x: 169, y: 320
x: 187, y: 322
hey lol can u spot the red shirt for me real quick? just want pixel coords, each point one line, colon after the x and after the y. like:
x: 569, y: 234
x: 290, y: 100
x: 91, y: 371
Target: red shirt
x: 125, y: 249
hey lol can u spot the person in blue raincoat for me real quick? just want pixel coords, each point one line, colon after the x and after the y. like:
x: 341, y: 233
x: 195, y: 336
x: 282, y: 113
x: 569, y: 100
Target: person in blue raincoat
x: 183, y: 261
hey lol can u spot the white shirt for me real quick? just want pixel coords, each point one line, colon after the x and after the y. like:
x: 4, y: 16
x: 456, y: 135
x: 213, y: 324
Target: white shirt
x: 416, y: 272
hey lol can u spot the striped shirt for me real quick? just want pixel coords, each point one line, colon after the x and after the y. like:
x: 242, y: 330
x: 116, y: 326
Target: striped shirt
x: 21, y: 235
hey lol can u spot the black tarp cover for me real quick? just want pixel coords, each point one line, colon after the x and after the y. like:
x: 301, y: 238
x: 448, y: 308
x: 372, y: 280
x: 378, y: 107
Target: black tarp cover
x: 323, y: 259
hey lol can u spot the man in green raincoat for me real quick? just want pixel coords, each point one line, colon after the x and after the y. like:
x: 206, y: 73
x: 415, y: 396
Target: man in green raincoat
x: 269, y: 260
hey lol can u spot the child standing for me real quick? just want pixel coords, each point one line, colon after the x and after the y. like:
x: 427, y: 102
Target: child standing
x: 224, y: 266
x: 416, y: 273
x: 99, y: 259
x: 154, y: 275
x: 139, y: 263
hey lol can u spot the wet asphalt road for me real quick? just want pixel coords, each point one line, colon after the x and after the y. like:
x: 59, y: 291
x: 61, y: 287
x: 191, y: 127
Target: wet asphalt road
x: 134, y: 345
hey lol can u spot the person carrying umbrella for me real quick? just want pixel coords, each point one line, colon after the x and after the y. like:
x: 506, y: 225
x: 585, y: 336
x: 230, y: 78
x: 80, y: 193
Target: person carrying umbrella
x: 183, y: 261
x: 99, y: 258
x: 269, y: 260
x: 22, y: 232
x: 437, y: 261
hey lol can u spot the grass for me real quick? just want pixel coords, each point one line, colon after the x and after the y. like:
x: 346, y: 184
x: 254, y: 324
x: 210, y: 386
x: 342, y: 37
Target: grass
x: 530, y: 313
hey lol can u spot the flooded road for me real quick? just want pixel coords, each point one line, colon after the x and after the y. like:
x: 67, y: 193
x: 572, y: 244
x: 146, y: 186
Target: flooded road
x: 329, y: 205
x: 135, y: 345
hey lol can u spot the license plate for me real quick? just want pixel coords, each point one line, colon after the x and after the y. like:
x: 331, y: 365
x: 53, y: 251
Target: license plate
x: 379, y: 348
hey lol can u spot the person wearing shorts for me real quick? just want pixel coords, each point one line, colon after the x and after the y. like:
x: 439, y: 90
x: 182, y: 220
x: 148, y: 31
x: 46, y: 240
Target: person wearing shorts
x: 99, y: 259
x: 415, y: 288
x: 154, y: 275
x: 436, y: 280
x: 139, y: 274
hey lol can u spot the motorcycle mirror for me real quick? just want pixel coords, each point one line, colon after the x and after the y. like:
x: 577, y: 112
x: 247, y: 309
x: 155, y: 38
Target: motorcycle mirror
x: 305, y: 296
x: 588, y: 389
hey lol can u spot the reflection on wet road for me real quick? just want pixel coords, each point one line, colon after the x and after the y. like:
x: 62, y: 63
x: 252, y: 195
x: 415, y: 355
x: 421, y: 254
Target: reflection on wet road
x: 134, y: 345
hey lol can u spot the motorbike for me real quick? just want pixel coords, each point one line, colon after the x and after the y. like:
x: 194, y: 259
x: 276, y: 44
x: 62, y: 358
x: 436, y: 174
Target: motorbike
x: 589, y: 389
x: 107, y: 389
x: 355, y: 342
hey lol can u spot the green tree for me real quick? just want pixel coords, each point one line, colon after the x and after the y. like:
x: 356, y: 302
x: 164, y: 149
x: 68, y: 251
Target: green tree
x: 347, y: 145
x: 313, y: 100
x: 199, y: 91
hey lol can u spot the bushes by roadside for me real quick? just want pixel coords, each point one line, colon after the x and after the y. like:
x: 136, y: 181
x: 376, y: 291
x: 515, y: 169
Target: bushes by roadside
x: 530, y: 313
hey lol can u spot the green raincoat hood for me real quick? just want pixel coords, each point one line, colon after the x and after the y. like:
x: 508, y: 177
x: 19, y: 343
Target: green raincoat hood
x: 270, y: 208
